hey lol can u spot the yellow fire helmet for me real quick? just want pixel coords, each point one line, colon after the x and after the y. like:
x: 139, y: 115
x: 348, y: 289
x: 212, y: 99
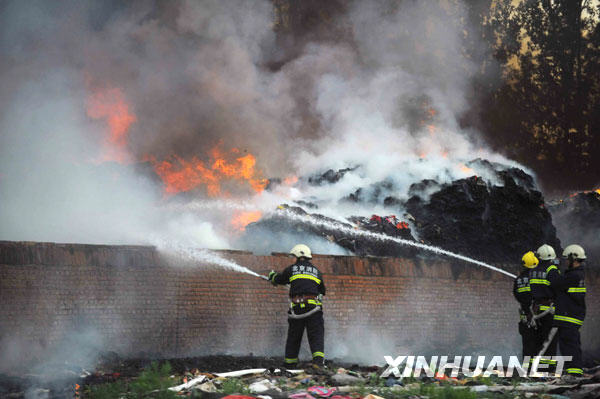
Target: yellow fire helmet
x: 529, y: 260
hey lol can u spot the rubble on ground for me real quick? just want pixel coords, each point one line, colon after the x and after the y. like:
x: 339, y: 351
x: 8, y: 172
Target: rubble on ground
x: 209, y: 377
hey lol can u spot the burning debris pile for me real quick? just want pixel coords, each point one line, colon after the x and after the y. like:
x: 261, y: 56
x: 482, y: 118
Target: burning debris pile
x: 302, y: 224
x: 490, y: 221
x: 221, y: 377
x: 491, y: 216
x: 577, y: 219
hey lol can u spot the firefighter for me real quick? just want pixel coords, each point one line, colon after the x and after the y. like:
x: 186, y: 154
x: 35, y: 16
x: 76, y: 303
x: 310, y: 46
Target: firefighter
x: 570, y: 310
x: 543, y: 298
x: 306, y: 291
x: 522, y: 293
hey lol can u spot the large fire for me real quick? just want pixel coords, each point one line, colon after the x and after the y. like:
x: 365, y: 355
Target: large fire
x: 177, y: 173
x: 110, y: 104
x: 242, y: 219
x: 180, y: 175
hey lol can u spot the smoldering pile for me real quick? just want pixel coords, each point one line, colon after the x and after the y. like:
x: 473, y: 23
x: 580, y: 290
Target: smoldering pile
x: 495, y: 214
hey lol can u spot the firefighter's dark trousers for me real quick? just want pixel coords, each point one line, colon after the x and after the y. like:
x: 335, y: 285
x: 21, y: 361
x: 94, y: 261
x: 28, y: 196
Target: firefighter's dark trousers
x: 569, y: 344
x: 546, y: 341
x: 315, y: 330
x: 528, y: 339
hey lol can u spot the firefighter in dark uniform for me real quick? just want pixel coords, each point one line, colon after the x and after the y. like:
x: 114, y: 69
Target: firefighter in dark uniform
x: 306, y: 291
x: 522, y: 293
x: 543, y: 304
x: 570, y: 310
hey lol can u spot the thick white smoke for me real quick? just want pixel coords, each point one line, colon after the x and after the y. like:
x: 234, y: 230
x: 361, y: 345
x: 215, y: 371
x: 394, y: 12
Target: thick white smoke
x: 385, y: 96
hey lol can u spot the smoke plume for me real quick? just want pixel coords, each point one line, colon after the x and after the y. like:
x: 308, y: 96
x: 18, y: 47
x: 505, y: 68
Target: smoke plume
x: 114, y: 112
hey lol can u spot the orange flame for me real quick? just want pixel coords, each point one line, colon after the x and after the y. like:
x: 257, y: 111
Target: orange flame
x: 180, y: 175
x: 597, y: 190
x: 242, y: 219
x: 110, y: 104
x: 290, y: 181
x: 465, y: 169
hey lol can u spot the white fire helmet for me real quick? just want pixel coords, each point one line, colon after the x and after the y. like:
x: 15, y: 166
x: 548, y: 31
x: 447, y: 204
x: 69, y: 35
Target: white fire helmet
x: 546, y: 252
x: 300, y: 251
x: 574, y: 251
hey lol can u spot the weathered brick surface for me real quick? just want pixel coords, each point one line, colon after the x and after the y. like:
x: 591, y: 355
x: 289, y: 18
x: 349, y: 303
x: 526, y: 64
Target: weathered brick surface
x: 134, y: 302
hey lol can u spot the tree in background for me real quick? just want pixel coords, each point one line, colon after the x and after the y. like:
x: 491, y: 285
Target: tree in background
x: 536, y: 94
x: 546, y: 111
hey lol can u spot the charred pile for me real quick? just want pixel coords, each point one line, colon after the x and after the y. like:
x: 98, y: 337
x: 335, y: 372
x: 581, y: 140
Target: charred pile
x: 495, y: 214
x: 492, y: 221
x: 279, y: 224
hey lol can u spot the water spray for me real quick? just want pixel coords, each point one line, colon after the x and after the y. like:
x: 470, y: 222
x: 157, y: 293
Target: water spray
x: 212, y: 258
x: 378, y: 236
x: 205, y: 255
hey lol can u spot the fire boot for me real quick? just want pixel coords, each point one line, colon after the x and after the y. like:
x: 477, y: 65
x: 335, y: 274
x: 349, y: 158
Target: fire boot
x: 290, y: 363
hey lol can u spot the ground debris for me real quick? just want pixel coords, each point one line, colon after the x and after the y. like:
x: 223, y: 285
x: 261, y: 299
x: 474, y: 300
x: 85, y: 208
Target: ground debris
x: 206, y: 377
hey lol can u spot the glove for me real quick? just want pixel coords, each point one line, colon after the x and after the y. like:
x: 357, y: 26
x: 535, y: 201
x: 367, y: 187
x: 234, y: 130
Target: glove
x: 320, y: 297
x: 272, y: 275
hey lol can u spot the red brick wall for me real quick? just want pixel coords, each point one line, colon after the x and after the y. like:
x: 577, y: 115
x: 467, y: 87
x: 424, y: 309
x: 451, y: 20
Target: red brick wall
x: 126, y: 299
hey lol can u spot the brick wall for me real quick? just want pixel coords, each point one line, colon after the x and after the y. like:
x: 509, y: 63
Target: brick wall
x: 129, y: 300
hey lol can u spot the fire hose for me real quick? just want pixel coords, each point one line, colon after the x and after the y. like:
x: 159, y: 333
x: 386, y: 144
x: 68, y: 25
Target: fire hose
x: 295, y: 316
x: 533, y: 323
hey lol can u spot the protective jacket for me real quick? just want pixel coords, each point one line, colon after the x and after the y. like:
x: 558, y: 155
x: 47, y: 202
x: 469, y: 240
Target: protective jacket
x: 522, y: 293
x: 522, y: 290
x: 541, y: 279
x: 303, y: 277
x: 570, y: 297
x: 305, y: 280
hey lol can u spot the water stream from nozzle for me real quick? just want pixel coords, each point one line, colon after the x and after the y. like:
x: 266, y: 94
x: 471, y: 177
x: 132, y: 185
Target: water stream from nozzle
x: 378, y: 236
x: 205, y: 255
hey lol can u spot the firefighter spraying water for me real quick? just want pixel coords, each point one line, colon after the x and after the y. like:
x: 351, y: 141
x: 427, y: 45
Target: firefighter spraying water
x: 306, y: 309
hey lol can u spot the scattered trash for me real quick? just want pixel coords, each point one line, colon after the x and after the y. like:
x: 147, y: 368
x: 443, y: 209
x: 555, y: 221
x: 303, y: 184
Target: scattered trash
x: 346, y: 379
x: 207, y: 387
x: 263, y: 386
x: 241, y: 373
x: 350, y: 382
x: 188, y: 385
x: 322, y: 391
